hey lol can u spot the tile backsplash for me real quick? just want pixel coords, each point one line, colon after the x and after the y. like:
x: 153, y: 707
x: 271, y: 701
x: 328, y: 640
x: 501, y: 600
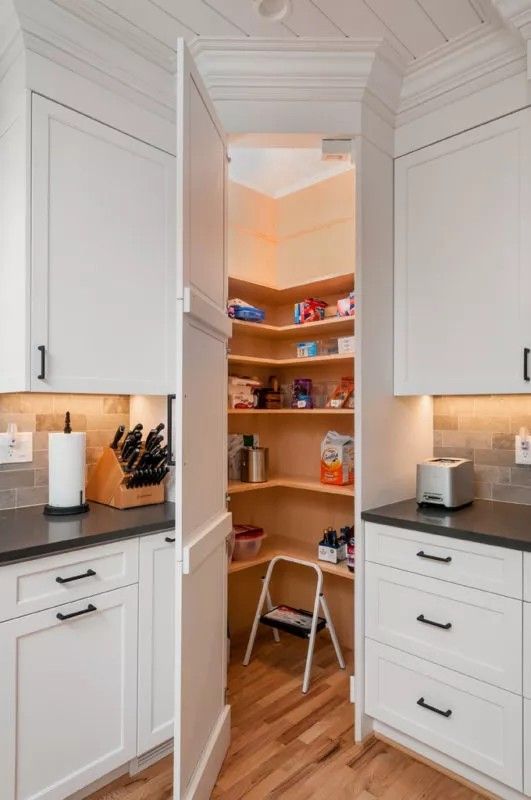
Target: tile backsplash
x: 99, y: 415
x: 483, y: 428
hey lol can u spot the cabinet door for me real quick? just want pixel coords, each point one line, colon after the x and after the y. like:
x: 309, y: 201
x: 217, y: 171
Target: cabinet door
x: 103, y: 258
x: 462, y: 262
x: 156, y: 640
x: 68, y: 695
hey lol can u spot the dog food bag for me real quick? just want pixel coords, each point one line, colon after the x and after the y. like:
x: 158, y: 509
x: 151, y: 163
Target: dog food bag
x: 337, y: 459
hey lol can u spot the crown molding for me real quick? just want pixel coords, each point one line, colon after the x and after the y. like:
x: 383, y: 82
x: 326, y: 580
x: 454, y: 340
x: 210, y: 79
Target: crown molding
x: 482, y: 57
x: 320, y: 70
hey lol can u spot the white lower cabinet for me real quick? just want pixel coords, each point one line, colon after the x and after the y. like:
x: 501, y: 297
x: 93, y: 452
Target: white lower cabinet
x: 68, y: 695
x: 471, y: 721
x: 156, y: 640
x: 527, y: 747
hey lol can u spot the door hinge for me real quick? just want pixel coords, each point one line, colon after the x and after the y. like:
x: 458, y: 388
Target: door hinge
x: 352, y: 688
x: 228, y: 350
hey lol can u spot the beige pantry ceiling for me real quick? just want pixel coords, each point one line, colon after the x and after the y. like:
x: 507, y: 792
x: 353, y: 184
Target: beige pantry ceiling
x: 277, y: 171
x: 413, y: 27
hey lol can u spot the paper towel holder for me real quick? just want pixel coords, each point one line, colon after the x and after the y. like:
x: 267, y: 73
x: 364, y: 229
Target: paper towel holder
x: 66, y: 511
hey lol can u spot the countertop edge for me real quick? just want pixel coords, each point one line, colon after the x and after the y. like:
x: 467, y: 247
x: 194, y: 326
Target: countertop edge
x: 42, y: 550
x: 451, y: 533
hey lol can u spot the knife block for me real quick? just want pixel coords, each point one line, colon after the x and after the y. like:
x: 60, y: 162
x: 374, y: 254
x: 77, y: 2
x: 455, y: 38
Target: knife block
x: 106, y: 485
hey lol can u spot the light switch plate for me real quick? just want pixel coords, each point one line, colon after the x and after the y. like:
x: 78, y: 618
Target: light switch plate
x: 522, y: 452
x: 21, y: 452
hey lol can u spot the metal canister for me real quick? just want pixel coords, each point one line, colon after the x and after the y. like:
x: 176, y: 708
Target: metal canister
x: 255, y: 463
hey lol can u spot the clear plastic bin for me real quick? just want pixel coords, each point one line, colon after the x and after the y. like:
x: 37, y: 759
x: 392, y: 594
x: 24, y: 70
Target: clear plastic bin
x: 247, y: 546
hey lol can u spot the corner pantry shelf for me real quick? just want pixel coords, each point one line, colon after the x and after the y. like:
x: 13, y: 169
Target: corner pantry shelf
x: 301, y: 412
x: 282, y: 546
x: 340, y: 285
x: 291, y: 362
x: 306, y: 484
x: 331, y: 325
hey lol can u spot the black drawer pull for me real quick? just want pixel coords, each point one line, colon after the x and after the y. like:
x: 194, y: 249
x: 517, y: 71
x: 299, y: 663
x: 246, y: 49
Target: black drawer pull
x: 42, y: 374
x: 446, y: 626
x: 169, y: 539
x: 447, y: 713
x: 88, y: 574
x: 526, y: 363
x: 86, y: 610
x: 422, y: 554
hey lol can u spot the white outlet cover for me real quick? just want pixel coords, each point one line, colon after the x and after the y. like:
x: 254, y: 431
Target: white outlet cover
x: 522, y: 450
x: 20, y: 453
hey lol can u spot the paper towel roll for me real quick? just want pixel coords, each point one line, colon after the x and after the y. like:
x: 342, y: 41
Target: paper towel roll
x: 66, y: 460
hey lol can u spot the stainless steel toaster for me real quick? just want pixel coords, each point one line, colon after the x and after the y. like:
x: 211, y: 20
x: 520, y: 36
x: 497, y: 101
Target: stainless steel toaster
x: 447, y: 482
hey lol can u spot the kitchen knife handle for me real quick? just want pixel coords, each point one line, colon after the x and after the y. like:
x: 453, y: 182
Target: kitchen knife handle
x: 526, y: 364
x: 42, y: 374
x: 171, y: 454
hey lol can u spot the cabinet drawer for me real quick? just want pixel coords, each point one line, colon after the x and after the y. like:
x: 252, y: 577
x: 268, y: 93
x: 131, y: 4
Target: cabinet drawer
x: 527, y: 649
x: 468, y: 720
x: 527, y: 577
x: 45, y: 582
x: 477, y: 633
x: 527, y: 747
x: 481, y: 566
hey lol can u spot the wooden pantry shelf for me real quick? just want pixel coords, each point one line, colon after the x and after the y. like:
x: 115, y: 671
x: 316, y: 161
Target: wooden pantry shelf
x: 283, y: 546
x: 331, y: 325
x: 289, y: 482
x: 272, y: 296
x: 301, y: 412
x: 291, y: 362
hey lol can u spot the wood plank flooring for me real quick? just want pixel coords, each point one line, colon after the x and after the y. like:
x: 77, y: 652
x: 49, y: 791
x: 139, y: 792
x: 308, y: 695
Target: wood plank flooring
x: 287, y: 746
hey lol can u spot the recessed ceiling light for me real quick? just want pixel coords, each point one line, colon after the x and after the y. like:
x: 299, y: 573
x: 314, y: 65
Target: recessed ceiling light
x: 273, y: 10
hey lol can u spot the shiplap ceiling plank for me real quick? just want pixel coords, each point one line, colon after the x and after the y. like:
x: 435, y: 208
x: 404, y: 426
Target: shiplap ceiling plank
x: 306, y: 19
x: 244, y: 15
x: 150, y: 18
x: 200, y: 17
x: 453, y: 16
x: 410, y: 23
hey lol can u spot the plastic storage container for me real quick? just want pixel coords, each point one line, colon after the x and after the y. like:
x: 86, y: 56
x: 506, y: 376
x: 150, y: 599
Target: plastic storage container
x: 248, y: 541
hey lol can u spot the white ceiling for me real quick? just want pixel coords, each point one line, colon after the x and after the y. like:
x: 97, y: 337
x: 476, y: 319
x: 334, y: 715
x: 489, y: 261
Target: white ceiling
x: 413, y: 27
x: 277, y: 171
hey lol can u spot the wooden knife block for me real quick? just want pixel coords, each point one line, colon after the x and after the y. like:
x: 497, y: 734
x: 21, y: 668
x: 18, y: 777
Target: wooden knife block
x: 106, y: 485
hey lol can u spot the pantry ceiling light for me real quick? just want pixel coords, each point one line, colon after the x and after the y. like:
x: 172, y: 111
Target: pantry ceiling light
x: 273, y: 10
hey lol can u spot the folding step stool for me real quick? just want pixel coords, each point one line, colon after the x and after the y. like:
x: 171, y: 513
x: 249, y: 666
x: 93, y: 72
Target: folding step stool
x: 317, y: 624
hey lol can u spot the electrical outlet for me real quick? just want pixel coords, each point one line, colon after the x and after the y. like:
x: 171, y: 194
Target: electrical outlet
x: 16, y: 448
x: 522, y: 449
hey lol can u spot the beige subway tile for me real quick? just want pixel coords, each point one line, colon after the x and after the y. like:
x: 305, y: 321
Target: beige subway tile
x: 56, y: 422
x: 521, y: 475
x: 106, y: 422
x: 472, y: 439
x: 8, y: 499
x: 41, y: 477
x: 24, y: 422
x: 497, y: 458
x: 454, y: 404
x: 482, y: 491
x: 487, y: 473
x: 78, y: 403
x: 484, y: 423
x: 454, y: 452
x: 116, y: 404
x: 491, y: 405
x: 520, y: 421
x: 93, y: 454
x: 40, y: 459
x: 32, y: 496
x: 503, y: 441
x: 518, y: 404
x: 437, y: 438
x: 512, y: 494
x: 444, y: 422
x: 36, y: 403
x: 10, y: 402
x: 12, y: 479
x: 40, y: 440
x: 98, y: 438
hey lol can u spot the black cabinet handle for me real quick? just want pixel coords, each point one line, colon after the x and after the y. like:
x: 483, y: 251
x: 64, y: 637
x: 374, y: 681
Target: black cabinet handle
x: 526, y: 363
x: 169, y: 539
x: 88, y: 574
x: 86, y: 610
x: 42, y: 375
x: 447, y: 713
x: 446, y: 626
x: 422, y: 554
x: 171, y: 454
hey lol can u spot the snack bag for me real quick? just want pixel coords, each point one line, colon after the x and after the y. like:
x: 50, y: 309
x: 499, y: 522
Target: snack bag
x: 337, y: 459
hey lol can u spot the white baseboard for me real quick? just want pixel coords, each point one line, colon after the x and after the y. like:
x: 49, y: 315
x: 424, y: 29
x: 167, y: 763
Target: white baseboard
x: 207, y: 771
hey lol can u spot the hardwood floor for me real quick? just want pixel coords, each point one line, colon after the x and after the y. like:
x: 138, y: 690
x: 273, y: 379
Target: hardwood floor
x: 287, y: 746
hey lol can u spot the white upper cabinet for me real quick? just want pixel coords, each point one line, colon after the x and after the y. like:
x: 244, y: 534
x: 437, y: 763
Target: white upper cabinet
x: 463, y: 262
x: 103, y: 295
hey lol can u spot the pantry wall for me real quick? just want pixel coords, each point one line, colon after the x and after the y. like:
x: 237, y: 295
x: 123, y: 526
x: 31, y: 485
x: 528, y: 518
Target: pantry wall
x: 291, y: 235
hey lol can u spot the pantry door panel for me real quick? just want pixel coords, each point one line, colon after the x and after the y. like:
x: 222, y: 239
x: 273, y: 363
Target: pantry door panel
x: 202, y: 718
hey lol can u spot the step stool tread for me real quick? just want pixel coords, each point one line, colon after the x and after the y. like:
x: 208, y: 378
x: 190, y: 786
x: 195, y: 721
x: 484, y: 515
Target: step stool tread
x: 296, y: 621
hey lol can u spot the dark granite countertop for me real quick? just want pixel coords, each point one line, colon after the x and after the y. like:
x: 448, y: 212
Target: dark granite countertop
x: 26, y: 533
x: 502, y: 524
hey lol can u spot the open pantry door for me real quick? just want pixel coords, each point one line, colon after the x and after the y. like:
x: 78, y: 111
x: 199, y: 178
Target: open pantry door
x: 202, y: 718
